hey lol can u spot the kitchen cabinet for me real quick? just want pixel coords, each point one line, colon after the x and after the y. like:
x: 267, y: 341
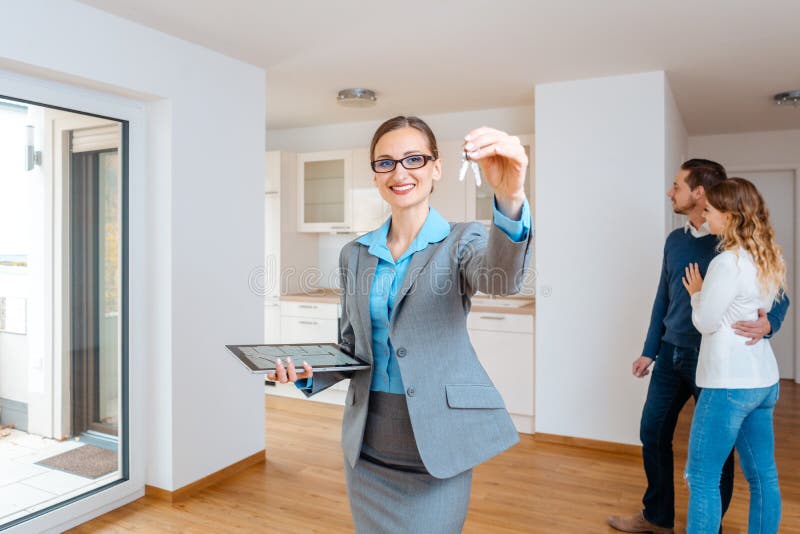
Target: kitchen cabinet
x: 310, y: 322
x: 336, y: 192
x: 324, y: 191
x: 504, y: 345
x: 272, y: 247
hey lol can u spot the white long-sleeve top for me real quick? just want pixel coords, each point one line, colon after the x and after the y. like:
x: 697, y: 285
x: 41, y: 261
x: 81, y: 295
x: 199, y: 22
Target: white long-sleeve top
x: 731, y: 292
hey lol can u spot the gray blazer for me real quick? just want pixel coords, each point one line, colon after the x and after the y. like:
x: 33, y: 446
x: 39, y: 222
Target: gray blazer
x: 458, y: 417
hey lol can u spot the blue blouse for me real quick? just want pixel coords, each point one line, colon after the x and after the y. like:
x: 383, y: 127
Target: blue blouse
x: 389, y: 276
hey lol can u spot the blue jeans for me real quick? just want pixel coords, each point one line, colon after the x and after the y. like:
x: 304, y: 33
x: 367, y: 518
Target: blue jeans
x: 670, y: 387
x: 722, y: 418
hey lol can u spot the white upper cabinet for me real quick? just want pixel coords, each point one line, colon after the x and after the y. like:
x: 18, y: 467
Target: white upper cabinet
x: 323, y: 191
x: 336, y: 190
x: 337, y: 193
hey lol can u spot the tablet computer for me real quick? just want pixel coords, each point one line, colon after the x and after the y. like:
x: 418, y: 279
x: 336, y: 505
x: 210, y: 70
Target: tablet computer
x: 322, y: 357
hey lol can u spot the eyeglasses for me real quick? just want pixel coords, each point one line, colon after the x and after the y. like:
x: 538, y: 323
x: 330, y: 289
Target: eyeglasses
x: 416, y: 161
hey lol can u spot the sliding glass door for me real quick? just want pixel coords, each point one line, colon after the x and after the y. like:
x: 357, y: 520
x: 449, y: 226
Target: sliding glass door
x: 64, y: 418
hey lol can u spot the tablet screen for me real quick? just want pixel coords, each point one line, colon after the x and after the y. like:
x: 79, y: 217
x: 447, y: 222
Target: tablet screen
x: 260, y: 358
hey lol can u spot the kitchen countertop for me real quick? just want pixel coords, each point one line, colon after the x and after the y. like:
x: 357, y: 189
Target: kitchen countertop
x: 322, y: 296
x: 483, y: 304
x: 479, y: 303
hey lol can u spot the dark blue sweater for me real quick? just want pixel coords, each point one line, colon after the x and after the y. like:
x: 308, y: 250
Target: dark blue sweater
x: 671, y: 319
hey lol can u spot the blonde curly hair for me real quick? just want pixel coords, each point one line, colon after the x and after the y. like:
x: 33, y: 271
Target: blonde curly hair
x: 749, y: 228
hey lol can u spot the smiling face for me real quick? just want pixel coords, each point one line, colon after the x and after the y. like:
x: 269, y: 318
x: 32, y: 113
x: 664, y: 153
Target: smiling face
x: 717, y: 220
x: 404, y: 188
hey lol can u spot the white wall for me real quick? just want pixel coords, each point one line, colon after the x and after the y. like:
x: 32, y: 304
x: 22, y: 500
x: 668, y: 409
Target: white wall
x: 201, y: 229
x: 600, y: 218
x: 14, y: 282
x: 778, y: 149
x: 13, y: 367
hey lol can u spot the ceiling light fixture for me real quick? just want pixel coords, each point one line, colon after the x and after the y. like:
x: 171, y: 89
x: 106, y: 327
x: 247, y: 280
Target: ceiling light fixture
x: 788, y: 98
x: 357, y: 98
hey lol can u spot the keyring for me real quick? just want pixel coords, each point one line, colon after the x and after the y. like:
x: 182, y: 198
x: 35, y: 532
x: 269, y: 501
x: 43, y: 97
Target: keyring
x: 471, y: 164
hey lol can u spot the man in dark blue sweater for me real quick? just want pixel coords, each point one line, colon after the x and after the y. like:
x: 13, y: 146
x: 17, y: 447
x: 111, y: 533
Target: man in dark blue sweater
x: 673, y: 343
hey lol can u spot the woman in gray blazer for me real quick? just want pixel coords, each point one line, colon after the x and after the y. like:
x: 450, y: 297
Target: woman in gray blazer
x: 426, y: 412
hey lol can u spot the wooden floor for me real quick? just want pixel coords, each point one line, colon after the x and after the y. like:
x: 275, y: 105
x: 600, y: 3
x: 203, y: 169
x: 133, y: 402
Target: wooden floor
x: 535, y: 487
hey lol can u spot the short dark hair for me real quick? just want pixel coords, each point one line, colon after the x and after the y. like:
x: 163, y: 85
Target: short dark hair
x: 703, y: 172
x: 403, y: 121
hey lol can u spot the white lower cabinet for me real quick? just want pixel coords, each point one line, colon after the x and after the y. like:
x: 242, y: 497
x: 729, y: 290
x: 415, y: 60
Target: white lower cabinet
x: 305, y: 322
x: 307, y: 330
x: 502, y: 341
x: 504, y: 344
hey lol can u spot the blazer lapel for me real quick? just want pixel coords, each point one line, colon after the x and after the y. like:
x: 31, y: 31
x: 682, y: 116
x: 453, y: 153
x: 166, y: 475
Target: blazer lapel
x: 418, y: 262
x: 365, y: 273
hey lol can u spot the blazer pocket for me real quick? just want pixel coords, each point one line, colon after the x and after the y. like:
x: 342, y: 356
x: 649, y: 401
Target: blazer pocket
x: 473, y: 396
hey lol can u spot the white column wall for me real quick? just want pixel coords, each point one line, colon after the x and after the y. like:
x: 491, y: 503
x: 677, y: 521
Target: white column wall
x: 601, y: 156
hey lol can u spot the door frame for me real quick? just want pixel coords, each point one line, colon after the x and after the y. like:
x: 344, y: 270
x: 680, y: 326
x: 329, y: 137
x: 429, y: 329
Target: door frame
x: 795, y: 168
x: 60, y: 126
x: 130, y: 486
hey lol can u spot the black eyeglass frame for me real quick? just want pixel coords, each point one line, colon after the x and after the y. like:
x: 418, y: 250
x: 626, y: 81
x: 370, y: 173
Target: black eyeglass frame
x: 426, y: 158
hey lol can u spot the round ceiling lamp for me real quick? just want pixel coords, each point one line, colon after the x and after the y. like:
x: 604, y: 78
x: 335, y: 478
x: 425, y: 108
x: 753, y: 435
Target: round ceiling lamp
x: 788, y: 98
x: 357, y: 98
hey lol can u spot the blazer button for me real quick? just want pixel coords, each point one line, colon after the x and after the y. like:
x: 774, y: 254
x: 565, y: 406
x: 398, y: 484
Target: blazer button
x: 401, y: 352
x: 411, y: 391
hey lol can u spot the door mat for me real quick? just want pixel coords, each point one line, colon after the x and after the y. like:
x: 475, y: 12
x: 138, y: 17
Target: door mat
x: 86, y: 461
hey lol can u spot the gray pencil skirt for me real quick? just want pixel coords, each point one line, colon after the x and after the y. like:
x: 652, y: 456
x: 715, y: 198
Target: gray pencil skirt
x: 389, y: 488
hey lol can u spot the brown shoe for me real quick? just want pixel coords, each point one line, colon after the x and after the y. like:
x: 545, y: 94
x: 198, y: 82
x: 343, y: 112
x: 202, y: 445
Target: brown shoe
x: 636, y: 523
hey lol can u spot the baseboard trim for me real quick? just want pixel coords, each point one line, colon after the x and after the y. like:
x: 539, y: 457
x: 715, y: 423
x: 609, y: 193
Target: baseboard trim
x: 595, y: 444
x: 181, y: 494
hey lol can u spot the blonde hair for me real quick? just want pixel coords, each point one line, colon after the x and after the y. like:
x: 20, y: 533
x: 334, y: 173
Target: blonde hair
x: 749, y: 228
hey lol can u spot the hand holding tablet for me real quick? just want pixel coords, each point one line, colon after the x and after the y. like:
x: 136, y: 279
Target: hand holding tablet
x: 279, y: 362
x: 288, y: 373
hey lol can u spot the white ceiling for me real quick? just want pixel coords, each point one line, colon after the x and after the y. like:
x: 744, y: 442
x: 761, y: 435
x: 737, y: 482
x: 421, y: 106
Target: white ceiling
x: 724, y: 58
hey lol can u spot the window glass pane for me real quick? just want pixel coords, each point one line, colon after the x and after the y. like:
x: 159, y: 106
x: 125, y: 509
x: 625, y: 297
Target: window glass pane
x: 62, y: 307
x: 323, y: 193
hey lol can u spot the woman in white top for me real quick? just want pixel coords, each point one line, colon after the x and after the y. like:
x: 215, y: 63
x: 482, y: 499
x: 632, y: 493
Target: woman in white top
x: 739, y: 381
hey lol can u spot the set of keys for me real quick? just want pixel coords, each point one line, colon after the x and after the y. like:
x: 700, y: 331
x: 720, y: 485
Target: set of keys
x: 467, y: 163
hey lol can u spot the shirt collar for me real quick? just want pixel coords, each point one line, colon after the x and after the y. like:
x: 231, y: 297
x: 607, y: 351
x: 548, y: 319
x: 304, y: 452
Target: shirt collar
x: 434, y: 229
x: 697, y: 232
